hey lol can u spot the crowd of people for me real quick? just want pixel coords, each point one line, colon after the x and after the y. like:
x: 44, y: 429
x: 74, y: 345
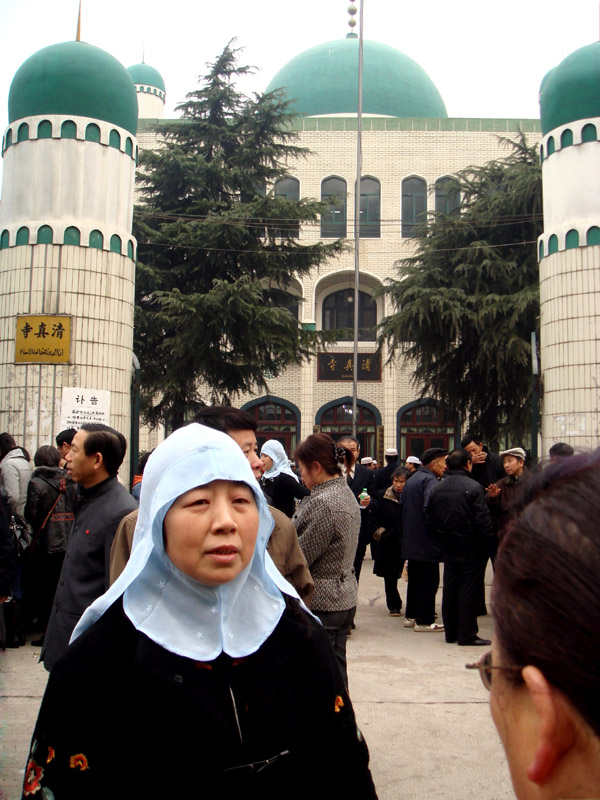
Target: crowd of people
x: 228, y: 596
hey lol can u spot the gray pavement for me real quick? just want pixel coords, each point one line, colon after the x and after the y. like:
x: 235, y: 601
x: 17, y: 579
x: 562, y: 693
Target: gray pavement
x: 425, y: 718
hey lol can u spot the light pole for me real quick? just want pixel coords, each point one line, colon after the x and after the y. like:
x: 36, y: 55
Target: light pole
x: 352, y: 11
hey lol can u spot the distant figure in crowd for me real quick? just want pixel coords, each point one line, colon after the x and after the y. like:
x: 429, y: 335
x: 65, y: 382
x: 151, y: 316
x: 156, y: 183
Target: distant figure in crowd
x: 560, y: 450
x: 138, y: 477
x: 7, y: 568
x: 15, y: 472
x: 367, y: 461
x: 383, y: 475
x: 93, y: 461
x: 198, y: 672
x: 458, y: 512
x: 412, y: 463
x: 542, y: 673
x: 50, y: 507
x: 420, y: 545
x: 63, y: 444
x: 360, y: 480
x: 386, y: 512
x: 280, y: 485
x: 328, y: 523
x: 503, y: 494
x: 283, y: 544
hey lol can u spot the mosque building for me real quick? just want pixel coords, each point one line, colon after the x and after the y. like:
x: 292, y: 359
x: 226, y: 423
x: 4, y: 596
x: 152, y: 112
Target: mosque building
x: 66, y: 248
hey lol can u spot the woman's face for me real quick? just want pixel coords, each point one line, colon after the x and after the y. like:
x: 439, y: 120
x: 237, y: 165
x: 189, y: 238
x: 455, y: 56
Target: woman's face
x: 267, y: 462
x: 309, y: 475
x: 398, y: 483
x: 210, y: 531
x: 508, y: 705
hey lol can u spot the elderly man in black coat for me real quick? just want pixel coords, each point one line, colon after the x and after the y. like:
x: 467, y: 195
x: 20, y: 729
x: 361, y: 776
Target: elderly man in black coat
x: 419, y: 544
x: 93, y: 461
x: 359, y: 479
x: 458, y: 513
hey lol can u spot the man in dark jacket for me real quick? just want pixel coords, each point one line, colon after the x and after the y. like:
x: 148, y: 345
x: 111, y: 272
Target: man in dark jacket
x: 458, y: 512
x: 419, y: 544
x: 359, y: 478
x: 383, y: 476
x: 93, y: 461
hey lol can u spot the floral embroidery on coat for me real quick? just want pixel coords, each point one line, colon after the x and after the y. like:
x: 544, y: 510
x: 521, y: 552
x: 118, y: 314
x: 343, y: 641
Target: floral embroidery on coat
x: 79, y: 761
x: 33, y: 776
x: 339, y: 704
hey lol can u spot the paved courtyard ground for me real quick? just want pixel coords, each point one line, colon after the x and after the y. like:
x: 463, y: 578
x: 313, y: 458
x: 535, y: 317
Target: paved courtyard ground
x: 425, y: 718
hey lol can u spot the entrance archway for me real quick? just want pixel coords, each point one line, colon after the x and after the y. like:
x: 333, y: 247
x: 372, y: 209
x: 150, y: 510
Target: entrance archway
x: 423, y: 424
x: 335, y: 418
x: 276, y: 419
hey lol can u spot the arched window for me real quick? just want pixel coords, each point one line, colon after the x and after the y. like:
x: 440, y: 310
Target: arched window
x: 44, y: 130
x: 4, y: 240
x: 424, y: 424
x: 287, y: 189
x: 572, y: 240
x: 96, y: 240
x: 552, y: 244
x: 370, y: 208
x: 337, y: 422
x: 276, y: 419
x: 72, y: 236
x: 22, y: 236
x: 589, y: 133
x: 447, y: 196
x: 128, y: 147
x: 593, y: 235
x: 68, y: 130
x: 130, y: 251
x: 23, y: 132
x: 550, y: 145
x: 566, y: 138
x: 45, y: 235
x: 8, y: 138
x: 414, y: 205
x: 541, y: 153
x: 541, y: 249
x: 92, y: 133
x: 114, y: 139
x: 116, y: 244
x: 334, y: 192
x: 338, y: 312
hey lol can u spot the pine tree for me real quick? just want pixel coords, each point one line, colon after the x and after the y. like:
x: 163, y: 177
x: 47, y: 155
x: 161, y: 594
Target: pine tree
x: 217, y: 250
x: 467, y: 301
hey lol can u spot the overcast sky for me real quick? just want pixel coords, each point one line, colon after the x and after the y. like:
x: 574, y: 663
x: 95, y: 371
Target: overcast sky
x: 486, y: 58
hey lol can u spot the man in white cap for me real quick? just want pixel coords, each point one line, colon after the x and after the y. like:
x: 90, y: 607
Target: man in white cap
x: 502, y: 494
x: 412, y: 463
x: 383, y: 476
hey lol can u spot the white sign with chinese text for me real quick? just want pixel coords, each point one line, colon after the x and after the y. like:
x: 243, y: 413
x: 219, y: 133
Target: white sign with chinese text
x: 84, y: 405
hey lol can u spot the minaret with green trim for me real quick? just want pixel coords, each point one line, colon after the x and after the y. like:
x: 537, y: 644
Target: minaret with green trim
x: 150, y: 88
x: 66, y: 245
x: 569, y: 250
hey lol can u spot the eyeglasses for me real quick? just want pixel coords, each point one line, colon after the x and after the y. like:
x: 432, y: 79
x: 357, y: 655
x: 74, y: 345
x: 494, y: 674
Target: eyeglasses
x: 485, y: 667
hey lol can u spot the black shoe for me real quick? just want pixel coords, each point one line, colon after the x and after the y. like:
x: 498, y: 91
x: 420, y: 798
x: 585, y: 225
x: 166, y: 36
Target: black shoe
x: 37, y: 642
x: 476, y: 642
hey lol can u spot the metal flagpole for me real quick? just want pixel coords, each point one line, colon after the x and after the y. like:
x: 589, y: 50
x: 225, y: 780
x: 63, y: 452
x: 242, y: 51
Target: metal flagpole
x: 357, y: 219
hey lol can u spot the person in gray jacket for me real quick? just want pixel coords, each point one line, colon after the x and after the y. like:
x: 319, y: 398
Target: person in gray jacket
x: 328, y: 524
x: 96, y: 454
x: 15, y: 471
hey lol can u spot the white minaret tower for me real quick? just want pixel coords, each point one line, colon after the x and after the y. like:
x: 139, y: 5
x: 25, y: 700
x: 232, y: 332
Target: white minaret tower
x: 569, y: 250
x: 150, y: 89
x: 65, y: 236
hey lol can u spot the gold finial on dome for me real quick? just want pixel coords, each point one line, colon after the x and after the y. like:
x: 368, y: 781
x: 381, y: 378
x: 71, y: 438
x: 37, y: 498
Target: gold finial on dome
x: 78, y: 35
x: 351, y: 22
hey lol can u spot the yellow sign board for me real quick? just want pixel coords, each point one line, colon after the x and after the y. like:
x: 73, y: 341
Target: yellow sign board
x: 43, y: 339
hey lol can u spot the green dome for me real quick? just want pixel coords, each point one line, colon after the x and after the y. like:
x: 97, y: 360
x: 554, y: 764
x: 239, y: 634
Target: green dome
x: 77, y: 79
x: 571, y: 91
x: 323, y: 80
x: 146, y: 75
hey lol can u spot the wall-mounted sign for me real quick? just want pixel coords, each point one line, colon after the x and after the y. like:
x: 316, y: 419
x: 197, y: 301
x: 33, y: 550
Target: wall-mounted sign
x: 43, y: 339
x: 84, y: 405
x: 340, y: 366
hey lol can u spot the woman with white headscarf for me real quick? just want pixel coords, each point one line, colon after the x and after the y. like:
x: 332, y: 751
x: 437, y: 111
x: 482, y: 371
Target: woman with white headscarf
x: 279, y: 483
x: 198, y: 672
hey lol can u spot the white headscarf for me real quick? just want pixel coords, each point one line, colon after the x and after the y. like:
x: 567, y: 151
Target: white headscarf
x: 174, y: 610
x: 281, y: 462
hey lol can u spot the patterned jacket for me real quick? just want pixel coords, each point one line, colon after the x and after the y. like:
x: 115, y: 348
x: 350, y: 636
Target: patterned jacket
x: 328, y: 523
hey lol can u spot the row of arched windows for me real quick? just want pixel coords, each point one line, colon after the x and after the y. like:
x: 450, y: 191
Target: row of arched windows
x: 334, y: 191
x: 589, y: 133
x: 72, y: 236
x: 151, y: 90
x: 592, y: 237
x: 68, y: 130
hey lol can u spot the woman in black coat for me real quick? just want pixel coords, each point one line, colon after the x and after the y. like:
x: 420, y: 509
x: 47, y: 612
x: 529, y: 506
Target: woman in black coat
x: 281, y: 487
x: 386, y: 511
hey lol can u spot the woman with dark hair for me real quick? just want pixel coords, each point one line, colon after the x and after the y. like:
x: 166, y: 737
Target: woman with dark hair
x: 328, y: 524
x: 543, y: 669
x: 386, y: 513
x: 199, y: 672
x: 280, y: 485
x: 50, y: 510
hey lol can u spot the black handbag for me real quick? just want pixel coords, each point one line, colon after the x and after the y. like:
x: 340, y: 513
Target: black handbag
x: 21, y: 533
